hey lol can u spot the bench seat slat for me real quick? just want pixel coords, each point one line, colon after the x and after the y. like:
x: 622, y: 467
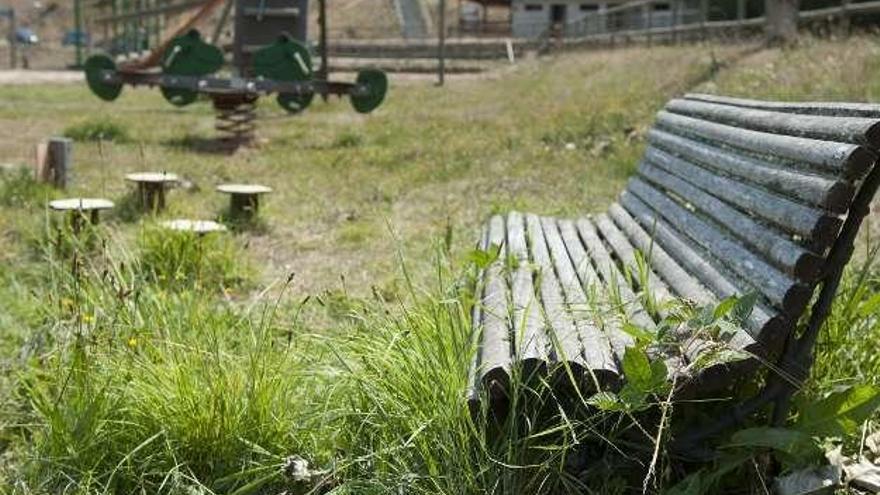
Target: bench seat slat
x: 495, y: 351
x: 529, y: 337
x: 838, y: 159
x: 564, y: 342
x: 811, y: 224
x: 597, y: 350
x: 625, y: 252
x: 832, y: 195
x: 854, y: 130
x: 472, y: 392
x: 782, y: 252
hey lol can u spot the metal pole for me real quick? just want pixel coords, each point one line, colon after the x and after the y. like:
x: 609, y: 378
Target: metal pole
x: 441, y: 39
x: 322, y: 26
x: 13, y: 43
x: 80, y: 35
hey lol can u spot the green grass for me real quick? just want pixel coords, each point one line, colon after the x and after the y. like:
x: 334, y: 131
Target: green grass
x: 336, y: 329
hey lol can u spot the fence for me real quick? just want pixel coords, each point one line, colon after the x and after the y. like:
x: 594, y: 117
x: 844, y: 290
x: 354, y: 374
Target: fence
x: 660, y: 20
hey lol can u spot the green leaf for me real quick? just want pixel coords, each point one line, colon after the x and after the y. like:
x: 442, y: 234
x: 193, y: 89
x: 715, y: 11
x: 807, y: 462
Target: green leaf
x: 795, y: 447
x: 484, y: 257
x: 641, y: 335
x: 637, y: 369
x: 606, y: 401
x: 841, y: 413
x: 744, y: 307
x: 724, y: 307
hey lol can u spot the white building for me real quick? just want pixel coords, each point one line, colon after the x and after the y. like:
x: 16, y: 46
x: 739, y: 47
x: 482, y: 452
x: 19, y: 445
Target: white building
x: 531, y: 18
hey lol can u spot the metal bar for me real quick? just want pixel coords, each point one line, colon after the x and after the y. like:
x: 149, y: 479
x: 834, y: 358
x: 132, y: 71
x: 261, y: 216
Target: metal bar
x: 139, y: 14
x: 232, y: 85
x: 441, y: 48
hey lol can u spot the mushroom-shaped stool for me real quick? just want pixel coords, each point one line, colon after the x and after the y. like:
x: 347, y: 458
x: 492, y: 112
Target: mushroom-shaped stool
x: 80, y: 208
x: 244, y: 198
x: 151, y: 188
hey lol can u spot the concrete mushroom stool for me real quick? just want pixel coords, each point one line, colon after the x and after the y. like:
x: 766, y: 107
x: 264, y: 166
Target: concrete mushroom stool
x: 78, y: 208
x: 151, y: 188
x: 244, y: 198
x: 198, y: 227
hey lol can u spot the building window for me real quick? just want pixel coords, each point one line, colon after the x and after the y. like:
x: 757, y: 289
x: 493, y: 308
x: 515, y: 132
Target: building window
x: 534, y: 7
x: 589, y: 7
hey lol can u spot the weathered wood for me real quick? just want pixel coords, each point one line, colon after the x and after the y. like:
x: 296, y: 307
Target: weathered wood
x: 841, y: 159
x: 563, y: 336
x: 833, y: 195
x: 815, y: 226
x: 678, y: 279
x: 627, y: 254
x: 601, y: 365
x: 495, y: 353
x: 779, y: 250
x: 834, y: 109
x: 151, y: 188
x: 472, y: 391
x: 530, y: 342
x: 60, y: 158
x: 780, y: 289
x: 608, y: 311
x: 855, y: 130
x: 760, y: 323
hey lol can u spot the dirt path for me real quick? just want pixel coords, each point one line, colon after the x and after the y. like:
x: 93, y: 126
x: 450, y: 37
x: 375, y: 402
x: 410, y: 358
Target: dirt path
x: 13, y: 77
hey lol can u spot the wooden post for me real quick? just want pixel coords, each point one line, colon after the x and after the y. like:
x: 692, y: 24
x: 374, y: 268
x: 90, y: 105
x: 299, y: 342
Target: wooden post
x: 704, y: 17
x: 782, y: 21
x: 845, y: 21
x: 441, y: 42
x: 60, y: 159
x: 649, y: 16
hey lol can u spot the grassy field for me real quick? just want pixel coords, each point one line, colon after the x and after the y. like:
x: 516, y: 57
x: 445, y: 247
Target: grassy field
x: 336, y: 329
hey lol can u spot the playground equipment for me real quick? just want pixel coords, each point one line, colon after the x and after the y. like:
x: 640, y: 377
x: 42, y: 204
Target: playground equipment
x: 151, y: 187
x: 268, y: 57
x: 81, y: 209
x: 244, y: 199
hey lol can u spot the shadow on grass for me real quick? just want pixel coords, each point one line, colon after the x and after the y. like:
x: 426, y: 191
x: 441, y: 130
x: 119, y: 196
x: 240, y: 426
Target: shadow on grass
x: 206, y: 145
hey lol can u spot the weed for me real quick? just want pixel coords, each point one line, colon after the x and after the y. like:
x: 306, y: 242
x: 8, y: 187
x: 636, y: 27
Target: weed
x: 98, y: 130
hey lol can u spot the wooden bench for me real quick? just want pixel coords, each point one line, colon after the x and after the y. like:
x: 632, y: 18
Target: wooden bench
x: 732, y: 197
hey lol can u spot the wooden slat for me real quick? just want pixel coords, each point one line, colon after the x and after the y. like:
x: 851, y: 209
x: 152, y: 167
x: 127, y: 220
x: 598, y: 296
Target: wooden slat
x: 854, y: 130
x: 690, y: 275
x: 472, y: 393
x: 495, y: 352
x: 781, y: 290
x: 596, y: 347
x: 563, y: 336
x: 832, y: 109
x: 678, y: 279
x: 833, y: 195
x: 815, y: 226
x: 599, y: 289
x: 626, y: 253
x: 765, y: 325
x: 839, y: 159
x: 780, y: 251
x: 530, y: 343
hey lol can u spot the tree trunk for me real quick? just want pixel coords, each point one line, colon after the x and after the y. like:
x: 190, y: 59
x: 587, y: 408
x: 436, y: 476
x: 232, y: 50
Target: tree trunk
x: 782, y: 21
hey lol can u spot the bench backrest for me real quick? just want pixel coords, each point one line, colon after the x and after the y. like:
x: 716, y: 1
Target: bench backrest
x: 746, y: 195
